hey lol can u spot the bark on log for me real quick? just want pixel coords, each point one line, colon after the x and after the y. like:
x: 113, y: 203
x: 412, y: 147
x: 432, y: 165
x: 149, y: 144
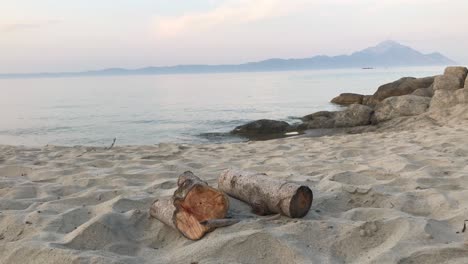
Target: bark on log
x: 193, y: 205
x: 163, y: 210
x: 266, y: 195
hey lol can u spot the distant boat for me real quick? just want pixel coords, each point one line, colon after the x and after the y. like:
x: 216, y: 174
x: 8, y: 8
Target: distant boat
x: 367, y: 68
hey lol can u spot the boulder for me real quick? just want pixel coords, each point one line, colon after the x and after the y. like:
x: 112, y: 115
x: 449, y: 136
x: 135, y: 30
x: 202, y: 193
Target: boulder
x: 370, y: 101
x: 354, y: 115
x: 348, y: 99
x: 318, y: 115
x: 425, y: 92
x: 322, y: 119
x: 403, y: 86
x: 462, y: 95
x: 449, y: 98
x: 443, y: 99
x: 446, y: 82
x: 458, y: 72
x: 406, y: 105
x: 261, y: 128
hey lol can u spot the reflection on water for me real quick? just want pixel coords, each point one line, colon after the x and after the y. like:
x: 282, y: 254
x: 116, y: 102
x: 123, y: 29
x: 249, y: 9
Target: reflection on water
x: 171, y: 108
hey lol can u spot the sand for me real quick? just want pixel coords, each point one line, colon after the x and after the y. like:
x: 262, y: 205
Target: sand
x: 390, y: 196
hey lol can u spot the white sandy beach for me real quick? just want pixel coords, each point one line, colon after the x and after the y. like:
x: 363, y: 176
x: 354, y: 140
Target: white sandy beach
x: 389, y: 196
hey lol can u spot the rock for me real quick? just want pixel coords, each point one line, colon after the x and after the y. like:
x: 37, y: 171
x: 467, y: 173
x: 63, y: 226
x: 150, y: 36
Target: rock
x: 348, y: 99
x: 425, y: 92
x: 318, y: 115
x: 403, y: 86
x: 260, y: 128
x: 406, y: 105
x: 322, y: 119
x: 462, y: 95
x: 354, y: 115
x: 459, y: 72
x: 366, y: 99
x: 449, y: 98
x: 444, y: 99
x: 370, y: 101
x: 446, y: 82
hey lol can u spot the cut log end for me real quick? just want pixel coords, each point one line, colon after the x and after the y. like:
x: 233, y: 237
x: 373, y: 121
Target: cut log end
x: 189, y: 225
x: 202, y: 203
x: 197, y: 202
x: 301, y: 202
x: 193, y: 203
x: 205, y: 203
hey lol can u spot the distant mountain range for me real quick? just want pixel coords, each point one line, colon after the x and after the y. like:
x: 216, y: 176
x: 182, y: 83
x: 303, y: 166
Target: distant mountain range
x: 386, y: 54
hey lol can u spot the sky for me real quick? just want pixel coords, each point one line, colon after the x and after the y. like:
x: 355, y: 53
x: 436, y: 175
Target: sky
x: 67, y: 35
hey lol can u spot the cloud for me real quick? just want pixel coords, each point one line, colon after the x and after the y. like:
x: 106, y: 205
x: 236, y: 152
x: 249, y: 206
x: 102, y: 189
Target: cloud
x: 228, y: 13
x: 26, y: 25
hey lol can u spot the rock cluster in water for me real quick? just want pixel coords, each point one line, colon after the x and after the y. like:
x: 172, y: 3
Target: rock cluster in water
x: 407, y: 96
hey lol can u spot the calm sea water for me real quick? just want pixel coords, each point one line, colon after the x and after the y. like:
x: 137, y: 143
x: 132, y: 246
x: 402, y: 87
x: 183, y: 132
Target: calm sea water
x: 171, y: 108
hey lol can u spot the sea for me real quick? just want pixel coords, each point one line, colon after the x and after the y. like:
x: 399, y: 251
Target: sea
x: 181, y: 108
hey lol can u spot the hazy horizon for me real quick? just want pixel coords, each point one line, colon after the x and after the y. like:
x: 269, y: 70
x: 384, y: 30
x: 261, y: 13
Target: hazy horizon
x: 53, y: 36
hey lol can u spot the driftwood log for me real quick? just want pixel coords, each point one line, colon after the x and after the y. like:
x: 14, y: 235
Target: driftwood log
x: 266, y: 195
x: 195, y: 208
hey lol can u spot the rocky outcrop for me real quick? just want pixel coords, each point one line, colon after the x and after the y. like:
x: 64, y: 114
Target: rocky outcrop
x: 261, y: 128
x: 403, y: 86
x: 348, y: 99
x: 354, y: 115
x: 458, y: 72
x: 406, y: 105
x: 403, y: 98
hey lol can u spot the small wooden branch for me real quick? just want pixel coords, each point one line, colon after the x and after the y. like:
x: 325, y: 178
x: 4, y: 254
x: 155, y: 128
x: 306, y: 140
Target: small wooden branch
x: 271, y: 218
x: 94, y: 149
x: 112, y: 145
x: 266, y: 195
x: 215, y: 223
x: 89, y: 150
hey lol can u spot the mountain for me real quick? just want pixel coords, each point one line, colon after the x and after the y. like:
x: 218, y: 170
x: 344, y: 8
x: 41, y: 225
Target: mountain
x: 386, y: 54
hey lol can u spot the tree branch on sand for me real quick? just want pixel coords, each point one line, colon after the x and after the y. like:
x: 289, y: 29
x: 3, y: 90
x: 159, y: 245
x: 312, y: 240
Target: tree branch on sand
x: 112, y: 145
x: 94, y: 149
